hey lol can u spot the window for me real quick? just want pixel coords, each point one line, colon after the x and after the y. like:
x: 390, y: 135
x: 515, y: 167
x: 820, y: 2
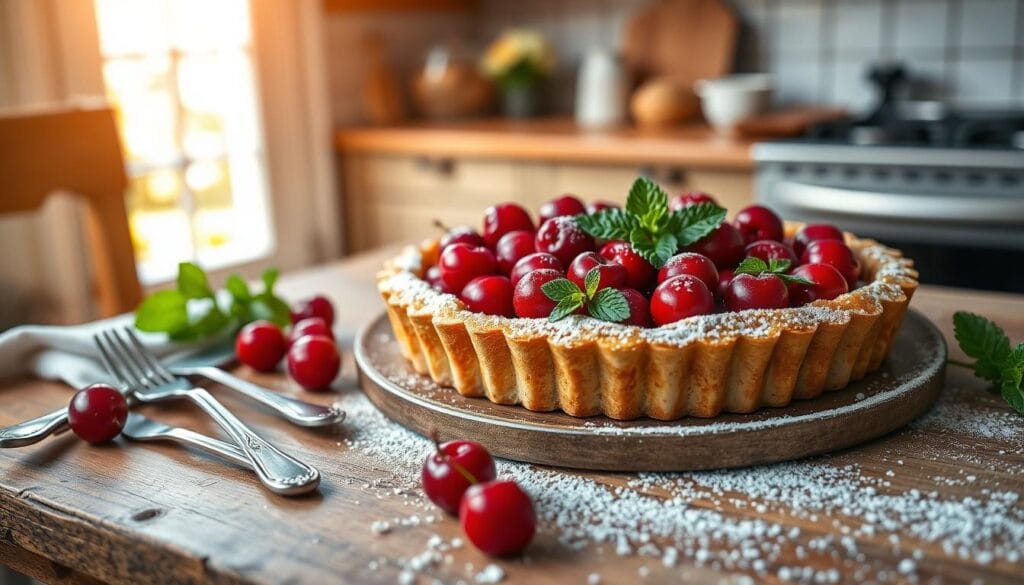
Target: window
x: 179, y: 73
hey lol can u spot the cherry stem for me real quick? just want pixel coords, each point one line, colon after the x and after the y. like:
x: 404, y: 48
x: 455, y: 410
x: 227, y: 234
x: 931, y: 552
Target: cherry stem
x: 462, y: 470
x: 439, y: 225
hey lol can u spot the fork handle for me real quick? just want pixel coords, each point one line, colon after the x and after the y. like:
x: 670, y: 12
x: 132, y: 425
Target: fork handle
x: 280, y: 472
x: 299, y: 412
x: 35, y: 430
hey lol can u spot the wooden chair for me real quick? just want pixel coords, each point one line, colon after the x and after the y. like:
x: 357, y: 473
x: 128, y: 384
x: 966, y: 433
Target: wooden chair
x: 74, y: 150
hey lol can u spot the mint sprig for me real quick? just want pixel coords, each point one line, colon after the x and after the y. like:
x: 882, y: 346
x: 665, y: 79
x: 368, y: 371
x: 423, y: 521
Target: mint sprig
x: 191, y: 311
x: 648, y: 225
x: 774, y: 266
x: 606, y: 304
x: 995, y: 360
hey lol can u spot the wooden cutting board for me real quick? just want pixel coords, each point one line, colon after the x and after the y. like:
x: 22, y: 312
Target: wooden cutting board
x: 686, y: 40
x: 906, y: 385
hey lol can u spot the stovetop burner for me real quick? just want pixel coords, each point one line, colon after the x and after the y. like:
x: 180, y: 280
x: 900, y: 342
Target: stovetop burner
x: 965, y: 129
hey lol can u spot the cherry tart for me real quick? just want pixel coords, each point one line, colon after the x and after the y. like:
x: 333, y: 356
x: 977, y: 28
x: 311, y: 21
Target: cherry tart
x: 709, y: 335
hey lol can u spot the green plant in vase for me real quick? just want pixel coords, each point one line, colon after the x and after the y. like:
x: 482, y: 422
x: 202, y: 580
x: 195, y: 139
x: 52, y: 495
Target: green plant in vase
x: 519, y: 61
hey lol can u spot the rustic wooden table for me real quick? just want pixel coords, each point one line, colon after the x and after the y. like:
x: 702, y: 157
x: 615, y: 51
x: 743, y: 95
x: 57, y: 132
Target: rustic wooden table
x: 939, y: 499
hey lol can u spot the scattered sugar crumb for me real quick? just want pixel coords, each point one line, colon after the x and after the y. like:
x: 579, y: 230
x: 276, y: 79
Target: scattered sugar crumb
x: 490, y: 574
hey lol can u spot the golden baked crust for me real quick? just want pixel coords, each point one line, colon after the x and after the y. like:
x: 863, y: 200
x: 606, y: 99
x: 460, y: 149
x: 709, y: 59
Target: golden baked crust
x: 701, y: 366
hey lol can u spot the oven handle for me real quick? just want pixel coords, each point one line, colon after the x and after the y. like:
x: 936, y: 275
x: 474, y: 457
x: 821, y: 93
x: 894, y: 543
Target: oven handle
x: 974, y: 210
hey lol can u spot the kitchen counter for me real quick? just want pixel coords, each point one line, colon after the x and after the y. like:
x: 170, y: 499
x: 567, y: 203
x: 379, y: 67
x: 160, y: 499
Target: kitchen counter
x: 940, y: 500
x: 552, y: 140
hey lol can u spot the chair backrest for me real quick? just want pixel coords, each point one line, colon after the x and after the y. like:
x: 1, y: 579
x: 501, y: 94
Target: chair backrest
x: 75, y: 150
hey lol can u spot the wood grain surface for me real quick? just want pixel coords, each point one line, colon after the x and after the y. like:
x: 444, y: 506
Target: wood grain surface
x: 127, y: 513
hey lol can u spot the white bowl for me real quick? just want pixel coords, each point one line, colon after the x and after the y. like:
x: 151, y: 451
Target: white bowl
x: 727, y: 100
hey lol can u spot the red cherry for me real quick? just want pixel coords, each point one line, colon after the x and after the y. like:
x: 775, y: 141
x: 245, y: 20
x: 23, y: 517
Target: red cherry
x: 311, y: 326
x: 314, y: 361
x: 724, y: 246
x: 724, y: 278
x: 693, y: 264
x: 498, y: 517
x: 828, y: 284
x: 767, y: 250
x: 97, y: 413
x: 461, y: 263
x: 564, y: 205
x: 595, y: 206
x: 535, y: 261
x: 504, y: 218
x: 260, y: 345
x: 490, y: 295
x: 639, y: 309
x: 433, y: 278
x: 612, y: 274
x: 562, y: 238
x: 639, y: 272
x: 462, y: 234
x: 813, y: 232
x: 765, y: 291
x: 836, y: 254
x: 757, y: 222
x: 512, y: 247
x: 690, y: 198
x: 680, y: 297
x: 528, y: 299
x: 318, y: 306
x: 445, y: 470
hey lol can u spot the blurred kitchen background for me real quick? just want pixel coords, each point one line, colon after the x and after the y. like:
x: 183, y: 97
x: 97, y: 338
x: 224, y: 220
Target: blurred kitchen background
x: 273, y: 132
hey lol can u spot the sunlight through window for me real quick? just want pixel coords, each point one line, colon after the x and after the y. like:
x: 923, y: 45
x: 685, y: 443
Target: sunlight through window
x: 180, y: 75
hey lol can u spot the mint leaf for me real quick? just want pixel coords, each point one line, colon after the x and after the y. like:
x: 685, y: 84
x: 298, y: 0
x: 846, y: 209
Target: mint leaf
x: 567, y: 306
x: 609, y: 304
x: 607, y: 224
x: 665, y: 247
x: 648, y: 202
x: 192, y: 281
x: 791, y: 279
x: 774, y: 266
x: 238, y: 288
x: 163, y: 311
x: 559, y: 289
x: 778, y: 264
x: 1013, y: 376
x: 751, y: 265
x: 270, y: 279
x: 984, y: 341
x: 695, y: 222
x: 591, y: 281
x: 267, y: 306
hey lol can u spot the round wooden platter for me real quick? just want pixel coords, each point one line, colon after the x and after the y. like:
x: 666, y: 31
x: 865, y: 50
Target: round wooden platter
x: 906, y: 385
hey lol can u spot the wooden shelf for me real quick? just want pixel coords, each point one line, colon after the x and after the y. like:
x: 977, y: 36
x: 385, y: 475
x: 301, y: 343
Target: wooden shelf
x: 552, y: 140
x: 399, y: 5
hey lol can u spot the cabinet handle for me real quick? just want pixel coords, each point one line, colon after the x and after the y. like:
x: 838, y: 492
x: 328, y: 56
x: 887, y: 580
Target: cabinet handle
x: 442, y: 166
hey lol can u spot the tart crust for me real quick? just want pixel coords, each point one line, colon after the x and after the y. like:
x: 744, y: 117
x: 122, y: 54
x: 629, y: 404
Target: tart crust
x: 702, y: 366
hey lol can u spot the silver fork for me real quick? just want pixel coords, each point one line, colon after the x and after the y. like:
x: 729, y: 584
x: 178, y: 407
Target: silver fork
x: 140, y: 428
x: 133, y: 366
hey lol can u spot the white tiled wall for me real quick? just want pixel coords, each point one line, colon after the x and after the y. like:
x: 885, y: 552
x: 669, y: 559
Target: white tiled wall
x: 970, y: 52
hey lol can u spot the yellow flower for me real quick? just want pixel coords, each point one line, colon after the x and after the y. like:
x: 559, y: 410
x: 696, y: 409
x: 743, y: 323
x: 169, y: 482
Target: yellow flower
x: 519, y: 48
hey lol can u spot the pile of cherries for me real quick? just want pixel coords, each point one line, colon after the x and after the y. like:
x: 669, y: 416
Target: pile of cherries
x: 312, y: 355
x: 500, y: 271
x: 496, y: 514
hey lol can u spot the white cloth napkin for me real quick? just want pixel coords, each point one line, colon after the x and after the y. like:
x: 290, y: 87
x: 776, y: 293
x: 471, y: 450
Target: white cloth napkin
x: 68, y: 353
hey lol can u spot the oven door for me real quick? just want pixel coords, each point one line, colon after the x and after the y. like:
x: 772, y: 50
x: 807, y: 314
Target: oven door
x: 972, y: 241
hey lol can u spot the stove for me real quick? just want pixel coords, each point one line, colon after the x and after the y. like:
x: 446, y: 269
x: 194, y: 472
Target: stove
x: 945, y: 186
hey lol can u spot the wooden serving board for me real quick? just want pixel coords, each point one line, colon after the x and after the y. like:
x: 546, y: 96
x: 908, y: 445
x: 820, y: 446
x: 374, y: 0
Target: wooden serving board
x: 906, y: 385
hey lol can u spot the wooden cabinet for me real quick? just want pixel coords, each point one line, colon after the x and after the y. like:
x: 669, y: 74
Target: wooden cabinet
x: 396, y: 198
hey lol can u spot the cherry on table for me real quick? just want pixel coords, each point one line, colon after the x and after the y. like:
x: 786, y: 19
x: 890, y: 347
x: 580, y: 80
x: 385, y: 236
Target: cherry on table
x: 461, y: 263
x: 757, y: 222
x: 689, y: 198
x: 680, y: 297
x: 490, y: 295
x: 764, y: 291
x: 813, y: 232
x: 639, y: 272
x: 535, y: 261
x: 564, y: 205
x: 693, y: 264
x: 311, y: 326
x: 563, y: 238
x: 528, y: 299
x: 313, y: 362
x: 828, y: 284
x: 724, y: 246
x: 512, y: 247
x: 452, y: 468
x: 836, y: 254
x: 97, y: 413
x: 261, y: 345
x: 772, y: 250
x: 504, y: 218
x: 639, y: 308
x: 317, y: 306
x: 462, y: 234
x: 498, y: 517
x: 612, y: 274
